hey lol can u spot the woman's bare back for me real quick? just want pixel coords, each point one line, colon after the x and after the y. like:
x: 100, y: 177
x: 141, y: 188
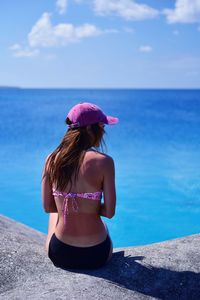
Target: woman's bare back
x: 84, y: 227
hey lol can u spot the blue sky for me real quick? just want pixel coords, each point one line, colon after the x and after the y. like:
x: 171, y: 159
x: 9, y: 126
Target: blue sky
x: 100, y: 43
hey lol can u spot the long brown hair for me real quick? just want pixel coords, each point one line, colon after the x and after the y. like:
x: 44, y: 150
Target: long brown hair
x: 64, y: 162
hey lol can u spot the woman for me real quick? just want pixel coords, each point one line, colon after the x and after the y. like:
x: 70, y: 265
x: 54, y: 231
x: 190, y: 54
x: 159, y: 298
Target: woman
x: 75, y: 177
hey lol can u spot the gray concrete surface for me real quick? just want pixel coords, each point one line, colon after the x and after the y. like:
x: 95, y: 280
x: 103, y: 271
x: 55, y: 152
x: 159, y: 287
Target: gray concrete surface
x: 167, y: 270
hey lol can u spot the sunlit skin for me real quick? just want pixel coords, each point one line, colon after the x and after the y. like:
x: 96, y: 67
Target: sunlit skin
x: 85, y: 227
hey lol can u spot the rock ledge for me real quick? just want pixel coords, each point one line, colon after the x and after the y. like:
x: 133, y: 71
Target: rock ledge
x: 167, y: 270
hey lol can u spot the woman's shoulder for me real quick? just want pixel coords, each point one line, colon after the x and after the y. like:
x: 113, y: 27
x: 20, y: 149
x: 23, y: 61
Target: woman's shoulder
x: 101, y: 158
x: 107, y: 161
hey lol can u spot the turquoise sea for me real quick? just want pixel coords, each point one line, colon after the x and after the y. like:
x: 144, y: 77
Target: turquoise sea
x: 156, y: 148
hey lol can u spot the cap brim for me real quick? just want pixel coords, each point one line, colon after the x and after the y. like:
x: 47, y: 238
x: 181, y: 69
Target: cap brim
x: 112, y: 120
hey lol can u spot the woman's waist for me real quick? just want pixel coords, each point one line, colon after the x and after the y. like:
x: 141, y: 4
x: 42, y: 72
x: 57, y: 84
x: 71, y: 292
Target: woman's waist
x: 83, y: 235
x: 79, y: 217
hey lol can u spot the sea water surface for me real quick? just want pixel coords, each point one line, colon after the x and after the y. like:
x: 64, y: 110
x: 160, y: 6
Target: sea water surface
x: 155, y: 146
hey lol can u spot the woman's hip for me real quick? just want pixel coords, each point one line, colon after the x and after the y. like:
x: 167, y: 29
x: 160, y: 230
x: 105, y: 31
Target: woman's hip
x: 67, y: 256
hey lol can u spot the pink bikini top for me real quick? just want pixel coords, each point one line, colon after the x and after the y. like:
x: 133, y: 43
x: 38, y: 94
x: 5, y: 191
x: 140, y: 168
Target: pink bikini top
x: 73, y: 196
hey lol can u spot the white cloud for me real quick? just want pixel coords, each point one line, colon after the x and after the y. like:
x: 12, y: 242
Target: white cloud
x: 61, y: 6
x: 19, y: 51
x: 127, y: 9
x: 41, y: 33
x: 185, y: 11
x: 145, y: 49
x: 44, y: 34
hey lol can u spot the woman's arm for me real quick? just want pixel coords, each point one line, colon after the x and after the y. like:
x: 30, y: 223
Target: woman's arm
x: 108, y: 207
x: 48, y: 201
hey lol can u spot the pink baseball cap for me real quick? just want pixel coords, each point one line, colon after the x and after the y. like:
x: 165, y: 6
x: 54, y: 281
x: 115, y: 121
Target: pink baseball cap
x: 84, y: 114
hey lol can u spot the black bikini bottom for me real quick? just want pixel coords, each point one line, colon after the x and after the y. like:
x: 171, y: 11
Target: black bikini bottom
x: 67, y: 256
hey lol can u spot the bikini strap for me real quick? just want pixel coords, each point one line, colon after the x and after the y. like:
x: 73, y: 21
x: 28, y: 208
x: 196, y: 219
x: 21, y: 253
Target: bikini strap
x: 73, y: 196
x: 91, y: 195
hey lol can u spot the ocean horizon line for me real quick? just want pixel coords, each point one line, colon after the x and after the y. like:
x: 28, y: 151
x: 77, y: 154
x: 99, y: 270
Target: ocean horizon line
x: 101, y: 88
